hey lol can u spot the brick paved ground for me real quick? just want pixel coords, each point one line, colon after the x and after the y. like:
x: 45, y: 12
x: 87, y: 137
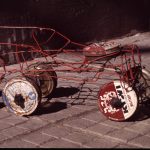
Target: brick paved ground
x: 67, y: 121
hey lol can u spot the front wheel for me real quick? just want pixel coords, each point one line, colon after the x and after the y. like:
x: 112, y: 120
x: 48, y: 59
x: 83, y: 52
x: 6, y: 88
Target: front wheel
x: 141, y: 83
x: 117, y: 101
x: 21, y: 96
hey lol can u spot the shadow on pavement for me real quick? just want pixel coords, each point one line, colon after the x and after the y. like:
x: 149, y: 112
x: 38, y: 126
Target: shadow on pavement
x: 2, y: 105
x: 52, y: 107
x: 144, y: 50
x: 1, y: 101
x: 142, y: 113
x: 64, y: 92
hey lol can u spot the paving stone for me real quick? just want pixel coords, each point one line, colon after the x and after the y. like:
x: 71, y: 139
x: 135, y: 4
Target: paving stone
x: 122, y: 135
x: 84, y: 101
x: 3, y: 137
x: 17, y: 144
x: 148, y: 134
x: 33, y: 124
x: 37, y: 138
x: 79, y: 123
x: 59, y: 144
x: 56, y: 131
x: 95, y: 116
x: 91, y: 101
x: 85, y: 107
x: 100, y: 143
x: 13, y: 120
x: 4, y: 125
x: 4, y: 113
x: 139, y: 127
x: 142, y: 141
x: 13, y: 131
x: 100, y: 129
x: 73, y: 111
x: 79, y: 137
x: 116, y: 124
x: 146, y: 121
x: 126, y: 146
x: 53, y: 117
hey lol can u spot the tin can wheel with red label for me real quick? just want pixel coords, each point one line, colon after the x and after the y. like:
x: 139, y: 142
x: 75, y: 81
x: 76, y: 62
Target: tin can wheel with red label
x: 21, y: 96
x: 117, y: 101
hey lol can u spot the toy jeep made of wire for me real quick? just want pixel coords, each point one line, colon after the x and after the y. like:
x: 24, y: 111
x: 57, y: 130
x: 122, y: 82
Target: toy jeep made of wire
x: 29, y: 68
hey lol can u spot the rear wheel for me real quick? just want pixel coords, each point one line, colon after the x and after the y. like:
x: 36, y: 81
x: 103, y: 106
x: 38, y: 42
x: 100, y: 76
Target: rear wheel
x: 45, y: 77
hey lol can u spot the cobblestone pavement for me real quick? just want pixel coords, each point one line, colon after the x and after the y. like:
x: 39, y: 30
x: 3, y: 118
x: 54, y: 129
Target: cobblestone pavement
x: 71, y: 121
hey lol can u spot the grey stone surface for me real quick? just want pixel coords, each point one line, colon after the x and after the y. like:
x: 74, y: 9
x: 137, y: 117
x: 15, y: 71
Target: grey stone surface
x: 79, y: 137
x: 127, y: 146
x: 95, y: 116
x: 32, y: 124
x: 3, y: 137
x: 139, y: 127
x: 14, y: 131
x: 100, y: 129
x: 142, y: 141
x: 101, y: 143
x: 60, y: 144
x: 14, y: 120
x: 4, y: 125
x: 4, y: 113
x: 53, y: 117
x: 123, y: 135
x: 56, y: 131
x: 37, y: 138
x: 146, y: 121
x: 17, y: 144
x: 117, y: 125
x: 75, y: 110
x: 79, y: 123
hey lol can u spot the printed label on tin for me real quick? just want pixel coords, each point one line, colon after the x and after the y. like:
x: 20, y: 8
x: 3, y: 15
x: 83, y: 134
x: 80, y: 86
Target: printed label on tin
x: 120, y: 93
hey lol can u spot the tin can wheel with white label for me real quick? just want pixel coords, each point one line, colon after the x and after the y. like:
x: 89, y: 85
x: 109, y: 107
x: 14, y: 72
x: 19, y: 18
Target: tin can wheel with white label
x: 117, y: 101
x: 21, y: 96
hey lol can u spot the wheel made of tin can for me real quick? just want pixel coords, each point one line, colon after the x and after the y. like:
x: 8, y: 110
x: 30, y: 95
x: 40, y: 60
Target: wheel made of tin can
x: 144, y: 81
x: 45, y: 77
x: 21, y: 96
x: 117, y: 101
x: 140, y: 83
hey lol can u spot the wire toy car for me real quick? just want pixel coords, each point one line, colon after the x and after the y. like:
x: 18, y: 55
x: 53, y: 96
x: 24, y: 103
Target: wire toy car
x: 29, y: 70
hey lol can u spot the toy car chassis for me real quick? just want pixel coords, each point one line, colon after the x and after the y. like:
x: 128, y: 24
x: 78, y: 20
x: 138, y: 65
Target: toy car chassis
x: 33, y: 74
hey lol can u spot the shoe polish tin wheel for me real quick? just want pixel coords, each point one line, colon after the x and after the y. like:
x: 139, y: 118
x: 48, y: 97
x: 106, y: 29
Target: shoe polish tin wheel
x: 45, y: 77
x: 117, y: 101
x: 21, y: 96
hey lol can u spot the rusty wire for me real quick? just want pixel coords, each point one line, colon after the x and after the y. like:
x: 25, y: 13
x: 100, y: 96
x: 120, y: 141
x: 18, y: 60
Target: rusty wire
x: 126, y: 58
